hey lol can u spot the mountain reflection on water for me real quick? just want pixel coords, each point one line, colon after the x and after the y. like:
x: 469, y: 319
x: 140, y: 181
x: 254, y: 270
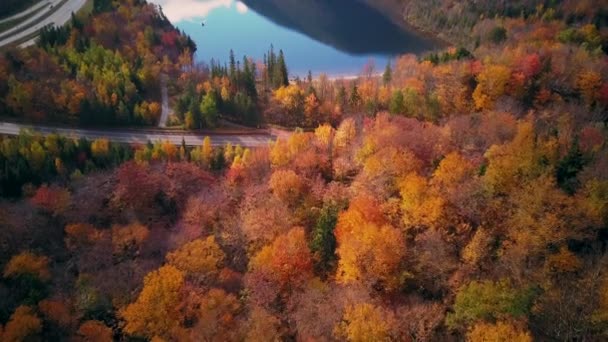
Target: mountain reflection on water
x: 351, y: 26
x: 336, y: 37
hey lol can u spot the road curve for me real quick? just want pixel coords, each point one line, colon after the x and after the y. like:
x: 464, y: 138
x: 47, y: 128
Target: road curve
x: 59, y: 17
x: 134, y: 136
x: 26, y: 12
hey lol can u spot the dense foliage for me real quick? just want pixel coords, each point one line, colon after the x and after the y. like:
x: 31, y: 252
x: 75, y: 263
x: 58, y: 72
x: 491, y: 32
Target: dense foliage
x: 234, y: 92
x: 466, y: 22
x: 104, y: 69
x: 463, y: 196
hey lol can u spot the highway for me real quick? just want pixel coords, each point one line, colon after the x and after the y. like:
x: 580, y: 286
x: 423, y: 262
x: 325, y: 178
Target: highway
x: 27, y: 11
x: 31, y: 26
x: 135, y: 136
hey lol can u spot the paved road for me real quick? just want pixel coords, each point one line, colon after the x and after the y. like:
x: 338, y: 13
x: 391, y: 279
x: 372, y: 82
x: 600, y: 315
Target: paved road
x: 27, y: 11
x: 142, y: 137
x: 162, y: 123
x: 59, y: 17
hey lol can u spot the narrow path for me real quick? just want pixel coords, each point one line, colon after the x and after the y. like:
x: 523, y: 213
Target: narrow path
x: 164, y: 116
x: 142, y: 136
x: 27, y: 11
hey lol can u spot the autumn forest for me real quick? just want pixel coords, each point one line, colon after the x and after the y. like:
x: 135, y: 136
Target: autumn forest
x: 460, y: 195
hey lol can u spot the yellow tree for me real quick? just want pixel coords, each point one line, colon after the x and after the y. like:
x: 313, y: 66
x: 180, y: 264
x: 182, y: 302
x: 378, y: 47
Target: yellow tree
x: 229, y: 153
x: 478, y: 247
x: 385, y: 165
x: 279, y: 153
x: 283, y: 152
x: 100, y: 148
x: 589, y: 84
x: 522, y: 159
x: 452, y: 170
x: 28, y: 263
x: 499, y: 332
x: 384, y: 96
x: 491, y: 84
x: 325, y: 134
x: 290, y: 97
x: 155, y: 312
x: 365, y: 323
x: 420, y: 204
x: 347, y: 131
x: 287, y: 186
x: 370, y: 250
x: 543, y: 215
x: 203, y: 154
x: 169, y: 150
x: 199, y: 257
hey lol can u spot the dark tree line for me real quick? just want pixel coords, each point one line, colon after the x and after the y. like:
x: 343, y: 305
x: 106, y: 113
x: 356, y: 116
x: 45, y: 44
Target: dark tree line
x: 276, y: 69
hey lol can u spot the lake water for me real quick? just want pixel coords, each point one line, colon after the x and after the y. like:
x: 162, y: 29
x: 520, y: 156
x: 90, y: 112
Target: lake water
x: 336, y: 37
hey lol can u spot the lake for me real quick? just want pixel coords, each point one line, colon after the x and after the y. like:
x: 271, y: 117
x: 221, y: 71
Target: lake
x: 336, y: 37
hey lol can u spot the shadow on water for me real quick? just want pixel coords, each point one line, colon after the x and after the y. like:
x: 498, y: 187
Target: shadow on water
x: 351, y: 26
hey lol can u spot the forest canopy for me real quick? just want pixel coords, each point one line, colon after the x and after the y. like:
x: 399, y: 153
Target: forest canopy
x: 461, y: 195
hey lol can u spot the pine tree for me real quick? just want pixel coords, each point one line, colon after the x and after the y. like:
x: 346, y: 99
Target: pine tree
x: 248, y: 78
x: 271, y: 65
x: 341, y: 97
x: 265, y: 75
x: 397, y: 104
x: 251, y: 81
x: 387, y: 77
x: 232, y: 73
x: 323, y: 243
x: 355, y: 98
x: 282, y: 74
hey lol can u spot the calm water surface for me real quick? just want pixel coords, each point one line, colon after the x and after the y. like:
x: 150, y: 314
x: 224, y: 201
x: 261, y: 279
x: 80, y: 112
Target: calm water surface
x: 336, y: 37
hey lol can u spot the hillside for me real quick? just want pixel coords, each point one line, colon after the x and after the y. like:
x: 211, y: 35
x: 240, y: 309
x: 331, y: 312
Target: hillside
x: 101, y: 70
x: 455, y: 21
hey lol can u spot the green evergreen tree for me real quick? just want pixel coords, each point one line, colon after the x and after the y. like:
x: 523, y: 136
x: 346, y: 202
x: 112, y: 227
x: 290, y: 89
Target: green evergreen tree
x: 323, y: 243
x: 397, y: 104
x: 568, y: 168
x: 272, y: 62
x: 282, y: 74
x: 209, y: 110
x: 355, y: 98
x: 232, y: 72
x: 387, y: 77
x: 341, y: 96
